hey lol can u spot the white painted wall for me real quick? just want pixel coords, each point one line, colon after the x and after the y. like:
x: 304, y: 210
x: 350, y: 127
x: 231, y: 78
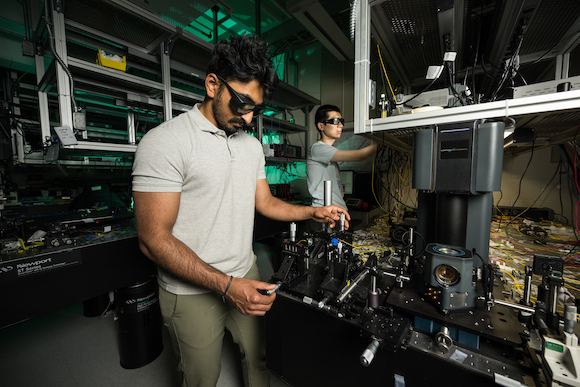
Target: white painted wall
x: 536, y: 190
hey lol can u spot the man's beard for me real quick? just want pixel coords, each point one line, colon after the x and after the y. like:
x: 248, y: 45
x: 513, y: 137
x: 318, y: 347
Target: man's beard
x: 218, y: 110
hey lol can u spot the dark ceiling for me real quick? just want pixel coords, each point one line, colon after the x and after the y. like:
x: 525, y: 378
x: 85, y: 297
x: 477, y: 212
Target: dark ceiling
x: 500, y: 44
x: 528, y: 35
x: 486, y: 34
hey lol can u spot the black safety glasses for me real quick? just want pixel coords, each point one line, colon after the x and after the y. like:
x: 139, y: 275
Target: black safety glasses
x: 334, y: 121
x: 242, y: 104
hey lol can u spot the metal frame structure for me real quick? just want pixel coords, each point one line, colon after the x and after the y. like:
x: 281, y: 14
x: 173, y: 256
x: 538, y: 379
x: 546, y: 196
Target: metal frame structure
x: 165, y: 39
x: 522, y: 107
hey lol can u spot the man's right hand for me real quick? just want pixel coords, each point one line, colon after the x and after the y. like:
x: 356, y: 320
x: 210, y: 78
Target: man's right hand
x: 243, y: 293
x: 330, y: 214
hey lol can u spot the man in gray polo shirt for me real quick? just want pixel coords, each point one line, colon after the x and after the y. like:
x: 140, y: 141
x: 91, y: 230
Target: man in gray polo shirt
x: 197, y: 181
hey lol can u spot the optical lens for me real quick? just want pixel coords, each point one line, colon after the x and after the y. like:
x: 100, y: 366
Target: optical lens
x: 259, y: 109
x: 446, y: 275
x: 245, y: 108
x: 334, y: 121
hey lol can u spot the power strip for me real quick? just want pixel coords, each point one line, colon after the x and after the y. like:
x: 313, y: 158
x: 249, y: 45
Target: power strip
x: 542, y: 88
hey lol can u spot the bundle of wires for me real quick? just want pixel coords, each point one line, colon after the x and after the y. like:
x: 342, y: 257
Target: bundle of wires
x: 392, y: 172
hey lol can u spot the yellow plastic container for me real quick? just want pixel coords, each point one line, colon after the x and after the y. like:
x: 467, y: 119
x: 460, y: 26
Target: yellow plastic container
x: 111, y: 61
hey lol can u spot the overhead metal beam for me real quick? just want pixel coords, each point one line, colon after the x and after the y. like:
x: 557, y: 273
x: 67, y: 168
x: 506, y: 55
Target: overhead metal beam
x: 516, y: 14
x: 320, y: 24
x: 510, y: 29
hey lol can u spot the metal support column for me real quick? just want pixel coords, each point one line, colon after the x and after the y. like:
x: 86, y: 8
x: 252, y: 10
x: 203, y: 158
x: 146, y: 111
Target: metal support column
x: 215, y: 9
x: 131, y: 131
x: 362, y: 66
x: 258, y: 5
x: 306, y: 124
x: 42, y: 100
x: 562, y: 66
x: 63, y: 82
x: 260, y: 126
x: 43, y: 112
x: 166, y: 79
x: 16, y: 125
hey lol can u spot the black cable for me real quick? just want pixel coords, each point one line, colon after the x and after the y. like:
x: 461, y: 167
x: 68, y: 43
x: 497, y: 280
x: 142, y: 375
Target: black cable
x: 509, y: 68
x: 520, y: 186
x: 478, y: 256
x: 16, y: 125
x: 476, y: 49
x: 499, y: 211
x: 56, y: 56
x: 572, y: 248
x: 570, y: 162
x: 506, y: 73
x: 485, y: 69
x: 499, y: 200
x: 493, y: 77
x: 5, y: 130
x: 452, y: 86
x: 558, y: 168
x: 379, y: 160
x: 409, y: 245
x: 570, y: 181
x: 518, y: 72
x: 560, y: 191
x: 387, y: 174
x: 522, y: 177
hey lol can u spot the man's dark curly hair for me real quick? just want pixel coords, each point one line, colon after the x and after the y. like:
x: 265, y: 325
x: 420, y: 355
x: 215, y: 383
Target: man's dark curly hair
x: 244, y: 58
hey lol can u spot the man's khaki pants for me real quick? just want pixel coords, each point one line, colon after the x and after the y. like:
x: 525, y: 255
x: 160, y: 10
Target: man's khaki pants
x: 196, y: 325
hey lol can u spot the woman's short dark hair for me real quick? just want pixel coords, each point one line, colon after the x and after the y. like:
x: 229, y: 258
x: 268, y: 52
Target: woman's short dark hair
x: 322, y: 112
x: 244, y: 58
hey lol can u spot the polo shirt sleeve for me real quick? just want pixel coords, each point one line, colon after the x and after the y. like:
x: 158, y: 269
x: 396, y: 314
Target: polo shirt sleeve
x: 158, y: 167
x: 262, y: 167
x: 322, y: 152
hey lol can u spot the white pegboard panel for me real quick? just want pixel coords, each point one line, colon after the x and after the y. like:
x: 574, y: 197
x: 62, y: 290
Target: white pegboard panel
x: 545, y: 87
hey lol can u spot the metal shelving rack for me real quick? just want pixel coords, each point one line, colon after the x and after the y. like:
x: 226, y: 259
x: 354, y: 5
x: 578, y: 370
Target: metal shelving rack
x: 122, y: 28
x: 283, y: 126
x: 165, y: 63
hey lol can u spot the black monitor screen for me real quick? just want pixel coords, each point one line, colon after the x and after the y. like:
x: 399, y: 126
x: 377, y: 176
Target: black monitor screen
x: 347, y: 179
x: 363, y: 187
